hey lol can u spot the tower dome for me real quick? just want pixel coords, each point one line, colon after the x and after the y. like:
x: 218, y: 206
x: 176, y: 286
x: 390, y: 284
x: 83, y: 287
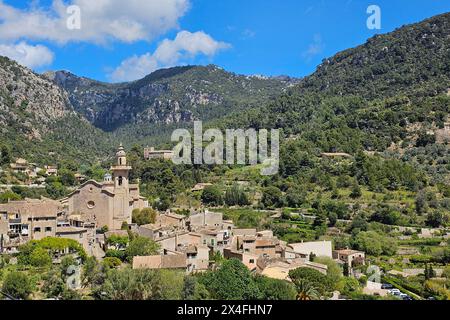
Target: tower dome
x: 107, y: 177
x: 121, y: 156
x: 121, y: 152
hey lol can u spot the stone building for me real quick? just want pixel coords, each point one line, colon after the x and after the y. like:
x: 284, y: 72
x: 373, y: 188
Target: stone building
x: 197, y: 257
x: 249, y: 259
x: 351, y: 257
x: 109, y: 203
x: 210, y: 220
x: 443, y: 135
x: 78, y: 234
x: 151, y: 153
x: 317, y: 248
x: 51, y: 170
x: 20, y: 165
x: 261, y: 243
x: 30, y: 219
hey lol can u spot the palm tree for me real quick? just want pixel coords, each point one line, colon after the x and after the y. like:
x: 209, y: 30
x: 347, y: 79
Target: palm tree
x: 306, y: 291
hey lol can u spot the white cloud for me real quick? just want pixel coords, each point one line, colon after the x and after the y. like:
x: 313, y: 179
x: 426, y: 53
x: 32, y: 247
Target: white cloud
x: 101, y: 20
x: 315, y: 48
x: 169, y: 53
x: 27, y: 55
x: 134, y: 68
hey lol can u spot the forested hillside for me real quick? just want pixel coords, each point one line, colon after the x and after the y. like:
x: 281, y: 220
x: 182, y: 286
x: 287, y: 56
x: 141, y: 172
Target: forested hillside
x: 390, y: 123
x: 389, y: 95
x: 413, y: 60
x: 38, y: 122
x: 167, y: 96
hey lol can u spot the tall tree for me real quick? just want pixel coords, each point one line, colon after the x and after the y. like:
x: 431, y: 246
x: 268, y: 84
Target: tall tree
x: 306, y: 290
x: 232, y: 281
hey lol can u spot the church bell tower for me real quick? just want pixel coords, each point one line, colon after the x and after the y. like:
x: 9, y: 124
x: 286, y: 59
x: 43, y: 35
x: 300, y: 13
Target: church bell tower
x: 121, y: 170
x: 120, y: 176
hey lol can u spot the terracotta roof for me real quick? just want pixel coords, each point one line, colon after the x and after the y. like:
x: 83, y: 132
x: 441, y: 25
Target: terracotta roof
x: 148, y: 262
x: 37, y: 208
x: 279, y: 269
x: 66, y: 230
x: 176, y: 261
x: 244, y: 232
x: 210, y: 232
x: 265, y: 242
x: 347, y: 252
x: 191, y: 249
x: 175, y: 216
x: 276, y: 272
x: 151, y: 226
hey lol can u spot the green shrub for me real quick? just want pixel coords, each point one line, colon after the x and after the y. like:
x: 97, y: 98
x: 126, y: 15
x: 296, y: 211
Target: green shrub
x: 18, y: 285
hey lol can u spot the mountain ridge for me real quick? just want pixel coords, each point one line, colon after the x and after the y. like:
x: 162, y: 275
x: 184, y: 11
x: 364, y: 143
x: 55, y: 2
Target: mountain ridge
x: 38, y: 121
x: 172, y: 95
x: 385, y: 54
x: 365, y: 97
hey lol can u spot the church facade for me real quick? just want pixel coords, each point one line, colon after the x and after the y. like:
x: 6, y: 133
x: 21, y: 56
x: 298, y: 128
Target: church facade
x: 109, y: 203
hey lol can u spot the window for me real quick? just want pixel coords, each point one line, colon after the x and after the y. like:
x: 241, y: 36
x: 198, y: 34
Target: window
x: 120, y: 181
x: 91, y: 204
x: 48, y: 229
x: 252, y: 261
x: 37, y: 229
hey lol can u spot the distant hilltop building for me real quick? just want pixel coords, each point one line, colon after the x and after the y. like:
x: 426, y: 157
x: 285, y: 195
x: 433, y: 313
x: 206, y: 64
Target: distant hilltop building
x: 31, y: 169
x: 51, y: 170
x: 200, y: 187
x: 335, y: 155
x: 20, y: 165
x: 109, y: 203
x: 151, y: 153
x: 443, y: 135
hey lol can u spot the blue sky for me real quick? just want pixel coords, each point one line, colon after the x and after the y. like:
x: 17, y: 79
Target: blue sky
x: 124, y: 40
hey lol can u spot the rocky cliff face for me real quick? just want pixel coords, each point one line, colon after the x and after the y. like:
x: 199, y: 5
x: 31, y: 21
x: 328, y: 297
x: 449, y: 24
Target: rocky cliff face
x: 38, y: 122
x: 168, y: 96
x: 29, y: 102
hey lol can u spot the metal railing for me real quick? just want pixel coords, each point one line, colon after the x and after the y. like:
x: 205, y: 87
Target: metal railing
x: 8, y: 296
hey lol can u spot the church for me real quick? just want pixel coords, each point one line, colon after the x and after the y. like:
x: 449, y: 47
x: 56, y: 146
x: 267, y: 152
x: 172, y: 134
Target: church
x: 109, y: 203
